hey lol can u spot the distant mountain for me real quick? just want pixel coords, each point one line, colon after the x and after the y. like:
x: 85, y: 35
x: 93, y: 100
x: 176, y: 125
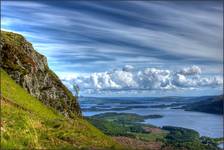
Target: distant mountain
x: 211, y: 104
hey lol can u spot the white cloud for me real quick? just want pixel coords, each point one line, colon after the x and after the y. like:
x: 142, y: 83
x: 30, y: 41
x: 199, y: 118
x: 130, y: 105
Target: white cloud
x: 191, y: 70
x: 128, y: 68
x: 146, y: 79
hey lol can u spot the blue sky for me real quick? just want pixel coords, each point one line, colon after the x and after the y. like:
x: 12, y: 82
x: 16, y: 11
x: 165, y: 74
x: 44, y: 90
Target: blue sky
x: 139, y: 48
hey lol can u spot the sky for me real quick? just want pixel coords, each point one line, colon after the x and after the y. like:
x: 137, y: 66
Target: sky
x: 126, y: 48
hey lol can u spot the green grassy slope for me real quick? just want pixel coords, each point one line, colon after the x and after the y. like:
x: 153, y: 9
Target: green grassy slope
x: 28, y: 124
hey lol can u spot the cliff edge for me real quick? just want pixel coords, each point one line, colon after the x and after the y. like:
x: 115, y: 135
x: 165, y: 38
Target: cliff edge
x: 30, y: 70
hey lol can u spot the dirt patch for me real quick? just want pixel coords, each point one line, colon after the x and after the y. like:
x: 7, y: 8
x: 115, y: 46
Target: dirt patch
x: 138, y: 144
x: 153, y: 130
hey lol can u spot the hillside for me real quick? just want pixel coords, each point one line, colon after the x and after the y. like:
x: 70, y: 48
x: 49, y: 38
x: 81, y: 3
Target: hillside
x: 30, y: 70
x: 212, y: 105
x: 27, y: 123
x: 37, y: 110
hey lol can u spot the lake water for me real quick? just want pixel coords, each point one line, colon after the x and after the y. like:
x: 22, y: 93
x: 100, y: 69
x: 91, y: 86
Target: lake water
x: 206, y: 124
x: 221, y: 145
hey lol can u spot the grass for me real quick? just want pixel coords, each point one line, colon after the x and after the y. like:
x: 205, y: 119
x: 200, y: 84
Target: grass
x: 127, y: 124
x: 16, y: 94
x: 151, y: 136
x: 26, y: 123
x: 182, y: 138
x: 124, y: 117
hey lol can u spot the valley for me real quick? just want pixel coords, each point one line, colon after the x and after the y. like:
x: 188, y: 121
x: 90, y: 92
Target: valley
x: 158, y: 125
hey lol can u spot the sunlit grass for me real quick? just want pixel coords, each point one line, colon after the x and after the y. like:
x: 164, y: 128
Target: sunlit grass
x: 17, y: 94
x: 26, y: 123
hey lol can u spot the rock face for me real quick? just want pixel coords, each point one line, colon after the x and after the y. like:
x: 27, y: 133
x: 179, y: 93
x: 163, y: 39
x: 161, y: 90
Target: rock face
x: 29, y: 69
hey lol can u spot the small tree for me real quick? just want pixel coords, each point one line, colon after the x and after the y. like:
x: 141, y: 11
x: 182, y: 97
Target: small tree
x: 76, y: 88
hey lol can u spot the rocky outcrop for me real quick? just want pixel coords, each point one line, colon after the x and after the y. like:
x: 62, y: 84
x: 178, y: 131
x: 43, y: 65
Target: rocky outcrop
x: 29, y: 69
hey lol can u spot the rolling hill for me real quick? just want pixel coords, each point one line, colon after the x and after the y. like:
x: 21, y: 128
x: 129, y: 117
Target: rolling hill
x: 212, y: 104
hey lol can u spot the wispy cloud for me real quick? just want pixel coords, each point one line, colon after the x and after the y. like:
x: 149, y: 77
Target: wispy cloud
x: 83, y: 35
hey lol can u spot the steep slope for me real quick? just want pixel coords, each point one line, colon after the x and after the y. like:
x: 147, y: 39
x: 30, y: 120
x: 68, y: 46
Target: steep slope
x: 212, y: 105
x: 26, y: 123
x: 29, y: 69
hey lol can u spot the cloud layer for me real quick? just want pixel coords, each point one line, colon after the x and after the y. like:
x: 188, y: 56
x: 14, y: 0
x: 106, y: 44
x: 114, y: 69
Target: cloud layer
x: 91, y: 37
x: 113, y: 34
x: 132, y: 79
